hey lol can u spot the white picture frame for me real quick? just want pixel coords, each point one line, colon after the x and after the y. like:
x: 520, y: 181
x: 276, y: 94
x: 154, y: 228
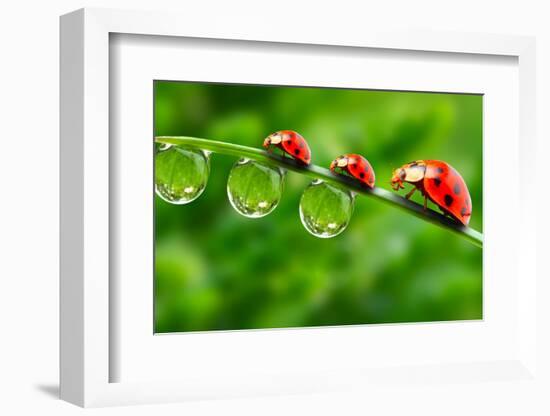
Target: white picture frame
x: 87, y: 167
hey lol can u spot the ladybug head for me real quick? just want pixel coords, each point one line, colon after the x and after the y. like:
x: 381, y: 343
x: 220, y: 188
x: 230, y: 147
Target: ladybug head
x: 339, y: 162
x: 412, y: 172
x: 275, y: 138
x: 398, y: 178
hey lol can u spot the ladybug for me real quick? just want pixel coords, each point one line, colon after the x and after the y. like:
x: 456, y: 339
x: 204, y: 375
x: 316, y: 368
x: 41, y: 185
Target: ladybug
x: 291, y: 143
x: 439, y: 182
x: 356, y: 166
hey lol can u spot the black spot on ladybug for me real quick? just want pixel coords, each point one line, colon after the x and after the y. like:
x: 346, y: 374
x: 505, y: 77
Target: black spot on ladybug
x: 440, y: 170
x: 362, y: 175
x: 463, y: 211
x: 448, y: 200
x: 456, y: 189
x: 437, y: 181
x: 296, y: 152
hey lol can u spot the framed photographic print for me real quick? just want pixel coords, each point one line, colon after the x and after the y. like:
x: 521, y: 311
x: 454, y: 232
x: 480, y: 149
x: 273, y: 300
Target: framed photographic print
x: 288, y: 269
x: 287, y: 213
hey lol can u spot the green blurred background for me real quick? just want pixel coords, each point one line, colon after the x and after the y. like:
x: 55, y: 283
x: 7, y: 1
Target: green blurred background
x: 217, y: 270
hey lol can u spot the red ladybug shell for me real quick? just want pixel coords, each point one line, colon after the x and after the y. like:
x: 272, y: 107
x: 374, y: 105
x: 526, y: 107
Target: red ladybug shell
x: 293, y: 144
x: 446, y: 188
x: 358, y: 167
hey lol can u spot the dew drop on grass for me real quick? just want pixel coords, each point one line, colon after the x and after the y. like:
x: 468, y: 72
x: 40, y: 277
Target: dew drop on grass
x: 325, y: 210
x: 180, y: 174
x: 254, y: 189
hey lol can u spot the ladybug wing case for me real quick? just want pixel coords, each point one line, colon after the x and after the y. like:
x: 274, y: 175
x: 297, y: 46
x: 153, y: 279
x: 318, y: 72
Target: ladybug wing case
x: 296, y: 146
x: 370, y: 177
x: 362, y: 170
x: 446, y: 188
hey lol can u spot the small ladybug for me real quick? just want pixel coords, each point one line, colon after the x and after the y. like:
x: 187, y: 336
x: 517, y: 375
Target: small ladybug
x: 291, y: 143
x: 439, y: 182
x: 356, y: 166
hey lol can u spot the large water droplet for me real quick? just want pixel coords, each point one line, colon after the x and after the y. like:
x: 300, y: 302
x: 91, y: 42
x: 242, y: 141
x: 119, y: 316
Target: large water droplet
x: 325, y: 210
x: 180, y: 174
x: 254, y: 189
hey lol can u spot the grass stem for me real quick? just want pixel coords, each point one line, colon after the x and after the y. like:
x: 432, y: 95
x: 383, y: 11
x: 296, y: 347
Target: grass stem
x: 326, y: 175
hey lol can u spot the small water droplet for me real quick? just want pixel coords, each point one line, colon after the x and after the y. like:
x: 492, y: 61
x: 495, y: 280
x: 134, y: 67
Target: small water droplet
x: 325, y: 210
x: 181, y: 174
x: 164, y: 146
x: 254, y: 189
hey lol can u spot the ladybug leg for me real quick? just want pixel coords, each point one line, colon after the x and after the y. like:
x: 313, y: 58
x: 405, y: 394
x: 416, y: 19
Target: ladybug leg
x: 425, y: 202
x: 412, y: 191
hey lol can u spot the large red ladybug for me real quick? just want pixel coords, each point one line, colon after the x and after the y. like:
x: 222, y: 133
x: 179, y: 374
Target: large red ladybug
x: 356, y: 166
x: 439, y: 182
x: 290, y: 143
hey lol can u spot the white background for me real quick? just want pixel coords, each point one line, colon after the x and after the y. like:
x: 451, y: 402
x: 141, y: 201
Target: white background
x: 29, y: 207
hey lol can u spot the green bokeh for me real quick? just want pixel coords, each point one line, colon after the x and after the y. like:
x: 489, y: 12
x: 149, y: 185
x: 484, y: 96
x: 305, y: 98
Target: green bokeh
x: 217, y: 270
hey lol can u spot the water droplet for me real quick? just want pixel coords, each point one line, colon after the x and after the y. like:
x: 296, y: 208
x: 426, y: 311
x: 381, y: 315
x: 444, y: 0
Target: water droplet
x: 325, y: 210
x: 164, y: 146
x: 180, y: 174
x: 254, y: 189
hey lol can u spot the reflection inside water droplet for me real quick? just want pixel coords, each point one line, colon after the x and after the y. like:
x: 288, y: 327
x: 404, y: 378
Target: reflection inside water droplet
x: 181, y: 174
x: 254, y: 189
x: 325, y: 210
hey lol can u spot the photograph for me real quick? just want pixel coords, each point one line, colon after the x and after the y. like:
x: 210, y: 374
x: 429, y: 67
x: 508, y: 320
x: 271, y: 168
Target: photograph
x: 295, y: 207
x: 285, y: 208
